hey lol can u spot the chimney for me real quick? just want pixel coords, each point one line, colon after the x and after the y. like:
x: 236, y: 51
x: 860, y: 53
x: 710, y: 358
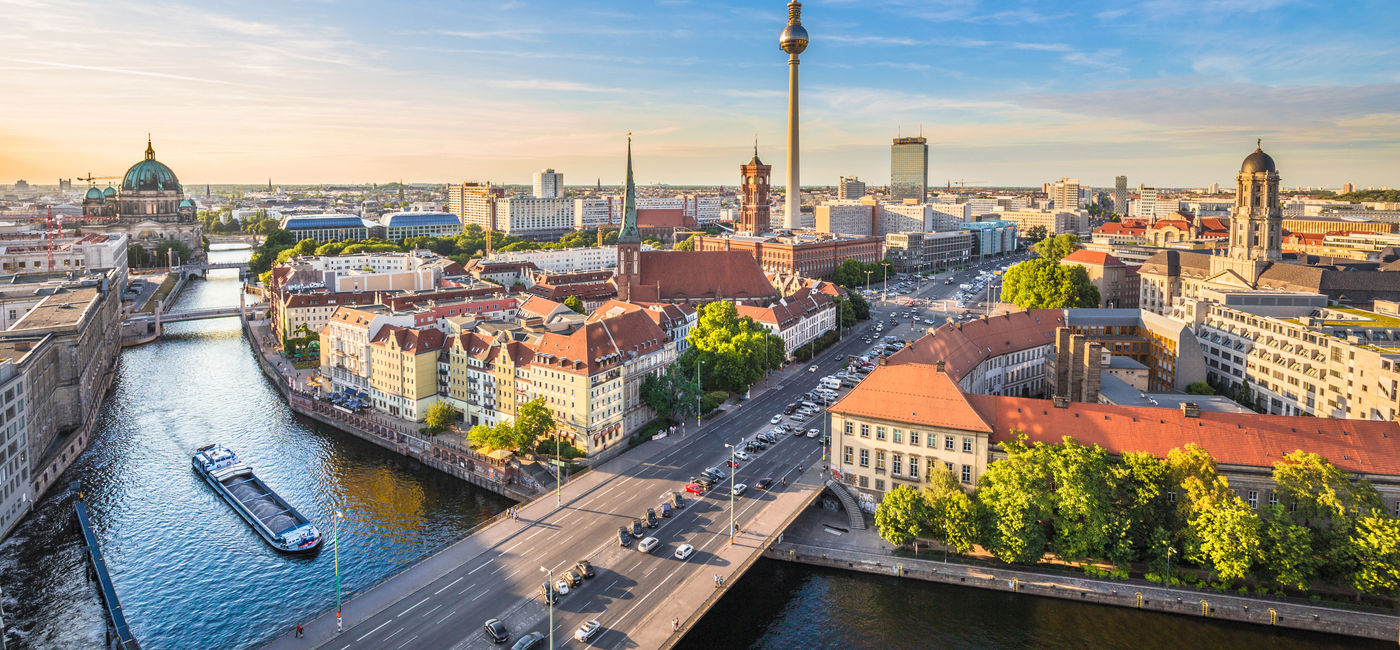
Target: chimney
x: 941, y: 365
x: 1191, y: 409
x: 882, y: 358
x: 1061, y: 401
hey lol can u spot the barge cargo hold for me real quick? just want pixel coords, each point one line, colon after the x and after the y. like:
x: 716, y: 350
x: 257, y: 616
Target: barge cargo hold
x: 267, y: 512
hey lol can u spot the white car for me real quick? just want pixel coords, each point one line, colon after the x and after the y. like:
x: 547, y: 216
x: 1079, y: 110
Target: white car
x: 740, y: 489
x: 811, y: 368
x: 775, y: 419
x: 561, y: 587
x: 812, y: 433
x: 648, y: 544
x: 741, y: 455
x: 587, y: 631
x: 684, y: 551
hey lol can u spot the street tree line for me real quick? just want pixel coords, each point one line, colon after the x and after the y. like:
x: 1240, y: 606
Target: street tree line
x: 1082, y: 505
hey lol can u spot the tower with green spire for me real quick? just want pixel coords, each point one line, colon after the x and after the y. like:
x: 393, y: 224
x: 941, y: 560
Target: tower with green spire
x: 629, y: 239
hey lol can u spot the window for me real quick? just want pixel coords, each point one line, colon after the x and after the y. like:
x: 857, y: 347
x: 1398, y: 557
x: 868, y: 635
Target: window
x: 932, y: 465
x: 865, y: 458
x: 850, y: 428
x: 914, y: 438
x: 879, y: 433
x: 1273, y: 497
x: 1254, y: 499
x: 897, y: 436
x: 932, y: 441
x: 879, y: 460
x: 950, y: 466
x: 914, y: 469
x: 948, y: 442
x: 864, y: 481
x: 896, y: 464
x: 865, y: 431
x: 848, y: 454
x: 966, y: 473
x: 880, y: 485
x: 967, y: 445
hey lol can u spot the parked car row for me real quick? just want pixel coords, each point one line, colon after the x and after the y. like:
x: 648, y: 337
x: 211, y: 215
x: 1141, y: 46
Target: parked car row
x: 495, y: 629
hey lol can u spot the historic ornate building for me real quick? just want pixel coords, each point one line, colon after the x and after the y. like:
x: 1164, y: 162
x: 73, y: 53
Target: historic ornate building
x: 1255, y: 258
x: 149, y: 208
x: 753, y: 211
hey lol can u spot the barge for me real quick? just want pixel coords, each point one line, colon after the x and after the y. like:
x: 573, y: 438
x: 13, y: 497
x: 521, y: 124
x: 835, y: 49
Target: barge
x: 267, y: 512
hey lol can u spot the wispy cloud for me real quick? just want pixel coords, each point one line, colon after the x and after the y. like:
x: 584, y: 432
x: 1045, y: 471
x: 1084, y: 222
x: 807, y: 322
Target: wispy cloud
x: 553, y: 86
x: 58, y: 65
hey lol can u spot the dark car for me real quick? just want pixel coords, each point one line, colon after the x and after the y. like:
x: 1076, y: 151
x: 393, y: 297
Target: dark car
x: 623, y: 537
x: 585, y: 568
x: 652, y: 521
x: 677, y: 501
x: 548, y: 593
x: 529, y: 641
x: 637, y: 528
x: 666, y: 510
x: 790, y: 408
x: 573, y: 577
x: 763, y: 483
x: 496, y: 631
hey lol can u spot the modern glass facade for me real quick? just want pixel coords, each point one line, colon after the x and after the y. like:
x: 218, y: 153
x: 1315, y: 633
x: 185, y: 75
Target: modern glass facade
x: 909, y: 168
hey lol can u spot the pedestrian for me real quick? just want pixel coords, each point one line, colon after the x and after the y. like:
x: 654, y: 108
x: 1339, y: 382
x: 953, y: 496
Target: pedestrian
x: 298, y: 630
x: 676, y: 623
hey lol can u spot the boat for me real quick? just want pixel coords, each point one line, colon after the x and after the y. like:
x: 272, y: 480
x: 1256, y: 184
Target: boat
x: 267, y: 512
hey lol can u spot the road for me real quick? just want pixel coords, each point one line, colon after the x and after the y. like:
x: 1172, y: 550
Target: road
x: 504, y: 580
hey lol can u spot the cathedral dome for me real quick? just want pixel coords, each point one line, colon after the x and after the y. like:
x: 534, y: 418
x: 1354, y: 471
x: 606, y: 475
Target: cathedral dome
x: 93, y: 194
x: 1258, y: 162
x: 150, y: 175
x: 109, y: 192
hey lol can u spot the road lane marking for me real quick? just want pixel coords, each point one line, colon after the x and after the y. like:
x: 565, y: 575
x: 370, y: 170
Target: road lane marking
x: 532, y: 535
x: 483, y: 593
x: 425, y: 599
x: 508, y: 548
x: 477, y: 569
x: 366, y: 636
x: 430, y: 612
x: 444, y: 618
x: 449, y: 585
x: 405, y: 643
x: 393, y: 634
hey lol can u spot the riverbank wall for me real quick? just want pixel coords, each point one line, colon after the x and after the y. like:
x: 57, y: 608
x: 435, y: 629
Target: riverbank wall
x: 497, y: 476
x: 1120, y: 594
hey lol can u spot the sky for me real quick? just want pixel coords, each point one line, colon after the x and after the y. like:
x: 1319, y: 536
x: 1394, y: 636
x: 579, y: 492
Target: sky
x: 1170, y: 93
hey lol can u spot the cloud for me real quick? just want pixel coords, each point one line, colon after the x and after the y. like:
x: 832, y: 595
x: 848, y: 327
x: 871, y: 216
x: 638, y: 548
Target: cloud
x: 553, y: 85
x: 950, y: 42
x: 56, y: 65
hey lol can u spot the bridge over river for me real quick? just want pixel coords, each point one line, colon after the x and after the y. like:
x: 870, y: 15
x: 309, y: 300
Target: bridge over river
x: 642, y: 600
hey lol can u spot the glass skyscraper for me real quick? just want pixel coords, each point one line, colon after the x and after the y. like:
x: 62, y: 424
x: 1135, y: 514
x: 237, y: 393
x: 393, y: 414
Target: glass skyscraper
x: 909, y: 168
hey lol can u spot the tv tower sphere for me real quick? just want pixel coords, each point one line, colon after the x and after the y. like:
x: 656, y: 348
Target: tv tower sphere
x: 794, y: 37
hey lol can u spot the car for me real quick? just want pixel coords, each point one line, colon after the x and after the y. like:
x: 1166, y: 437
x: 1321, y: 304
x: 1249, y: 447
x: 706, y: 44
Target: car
x: 574, y: 577
x: 547, y: 593
x: 561, y: 586
x: 624, y: 538
x: 704, y: 483
x: 684, y: 551
x: 665, y: 510
x: 585, y: 568
x: 763, y: 483
x: 741, y: 455
x: 648, y: 544
x: 693, y: 488
x: 740, y: 489
x: 529, y: 641
x: 587, y: 631
x: 768, y: 438
x: 811, y: 368
x: 797, y: 433
x: 652, y: 521
x: 637, y: 528
x: 797, y: 417
x: 790, y: 408
x: 775, y: 419
x: 495, y: 630
x: 718, y: 473
x: 812, y: 433
x: 674, y: 498
x: 730, y: 463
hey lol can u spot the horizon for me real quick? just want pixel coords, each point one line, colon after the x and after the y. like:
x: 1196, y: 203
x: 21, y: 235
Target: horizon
x: 1169, y: 93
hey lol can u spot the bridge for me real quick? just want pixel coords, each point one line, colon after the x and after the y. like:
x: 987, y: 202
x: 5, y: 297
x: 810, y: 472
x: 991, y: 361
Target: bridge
x: 182, y: 315
x: 199, y: 269
x: 642, y: 600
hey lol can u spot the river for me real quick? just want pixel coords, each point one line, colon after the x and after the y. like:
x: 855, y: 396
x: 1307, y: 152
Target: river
x: 191, y: 574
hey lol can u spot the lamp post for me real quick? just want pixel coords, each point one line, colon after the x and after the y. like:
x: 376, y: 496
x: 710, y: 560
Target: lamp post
x: 826, y: 426
x: 885, y: 281
x: 698, y: 391
x: 732, y: 467
x: 335, y: 544
x: 867, y: 281
x: 549, y: 580
x: 1167, y: 579
x: 558, y: 470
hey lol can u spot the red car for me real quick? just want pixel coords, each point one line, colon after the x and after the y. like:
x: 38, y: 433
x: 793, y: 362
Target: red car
x: 694, y: 488
x: 730, y: 463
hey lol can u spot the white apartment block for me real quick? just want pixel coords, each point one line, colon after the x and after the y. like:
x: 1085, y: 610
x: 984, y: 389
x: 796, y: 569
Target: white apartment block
x: 529, y: 216
x: 549, y: 184
x: 598, y: 211
x: 957, y: 212
x: 569, y: 260
x: 1065, y: 194
x: 345, y: 344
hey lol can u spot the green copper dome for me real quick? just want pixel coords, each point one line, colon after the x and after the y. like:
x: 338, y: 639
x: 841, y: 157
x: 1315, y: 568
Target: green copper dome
x: 93, y: 194
x: 149, y: 175
x: 109, y: 192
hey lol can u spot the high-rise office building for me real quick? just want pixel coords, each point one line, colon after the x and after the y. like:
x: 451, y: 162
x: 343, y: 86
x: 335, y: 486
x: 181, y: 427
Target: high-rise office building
x: 850, y: 188
x: 909, y: 168
x: 549, y: 184
x: 1120, y: 195
x: 1065, y: 194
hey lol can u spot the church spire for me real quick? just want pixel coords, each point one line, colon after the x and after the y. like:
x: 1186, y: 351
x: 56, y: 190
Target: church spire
x: 629, y: 232
x: 150, y: 151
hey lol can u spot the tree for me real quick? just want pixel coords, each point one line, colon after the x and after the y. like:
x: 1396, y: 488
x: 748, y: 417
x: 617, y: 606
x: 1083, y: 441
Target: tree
x: 1140, y: 495
x: 1228, y: 531
x: 733, y: 352
x: 1324, y: 499
x: 902, y: 516
x: 1035, y: 233
x: 1287, y: 549
x: 1018, y: 504
x: 670, y: 394
x: 687, y: 244
x: 491, y: 437
x: 574, y: 303
x: 532, y: 421
x: 1374, y: 551
x: 1043, y: 284
x: 847, y: 314
x: 1058, y: 247
x: 952, y: 514
x: 850, y: 273
x: 1085, y: 524
x: 1200, y: 388
x: 440, y: 417
x: 859, y: 305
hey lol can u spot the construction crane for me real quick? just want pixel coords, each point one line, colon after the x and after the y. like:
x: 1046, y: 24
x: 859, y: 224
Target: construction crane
x: 90, y: 178
x: 962, y: 184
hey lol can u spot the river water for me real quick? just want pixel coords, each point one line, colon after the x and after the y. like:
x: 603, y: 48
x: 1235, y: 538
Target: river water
x: 192, y: 574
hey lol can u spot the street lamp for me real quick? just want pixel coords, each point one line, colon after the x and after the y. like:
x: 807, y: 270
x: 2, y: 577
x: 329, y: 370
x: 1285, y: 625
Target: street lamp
x: 1167, y: 580
x: 867, y: 281
x: 698, y: 391
x: 826, y: 426
x: 335, y: 544
x: 732, y: 467
x: 549, y: 581
x: 558, y: 468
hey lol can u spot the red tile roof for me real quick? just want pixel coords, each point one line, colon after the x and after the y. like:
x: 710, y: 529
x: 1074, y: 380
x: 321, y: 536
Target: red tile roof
x: 1114, y: 228
x: 409, y: 340
x: 602, y: 343
x: 963, y: 346
x: 914, y: 393
x: 703, y: 276
x: 1096, y: 258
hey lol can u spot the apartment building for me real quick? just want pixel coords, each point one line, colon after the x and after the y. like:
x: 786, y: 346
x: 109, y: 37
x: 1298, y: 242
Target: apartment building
x: 399, y: 226
x: 1117, y: 283
x: 403, y: 370
x: 797, y: 319
x: 807, y: 255
x: 1000, y: 355
x: 1055, y: 222
x: 345, y: 343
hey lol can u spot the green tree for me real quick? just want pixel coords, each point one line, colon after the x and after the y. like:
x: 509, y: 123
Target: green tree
x: 1035, y: 233
x: 1016, y: 496
x: 902, y: 516
x: 1374, y: 551
x: 500, y: 436
x: 952, y: 514
x: 330, y: 248
x: 1058, y: 247
x: 574, y: 303
x: 847, y: 313
x: 1228, y: 531
x: 687, y: 244
x: 850, y: 273
x: 440, y: 417
x: 670, y: 393
x: 1200, y: 388
x: 1043, y: 284
x: 733, y: 352
x: 1085, y: 524
x: 1328, y: 502
x: 532, y: 421
x: 859, y: 305
x: 1140, y: 494
x: 1288, y: 556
